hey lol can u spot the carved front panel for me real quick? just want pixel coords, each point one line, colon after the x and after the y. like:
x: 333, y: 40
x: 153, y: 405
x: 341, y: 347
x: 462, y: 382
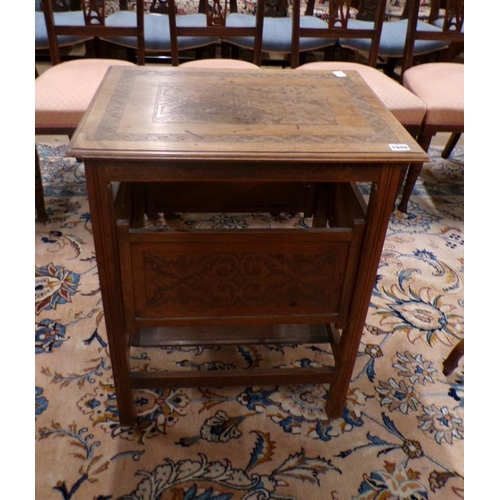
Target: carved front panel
x: 243, y: 279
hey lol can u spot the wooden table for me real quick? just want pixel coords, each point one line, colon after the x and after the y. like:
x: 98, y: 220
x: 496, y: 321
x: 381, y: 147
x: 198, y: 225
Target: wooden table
x: 288, y: 132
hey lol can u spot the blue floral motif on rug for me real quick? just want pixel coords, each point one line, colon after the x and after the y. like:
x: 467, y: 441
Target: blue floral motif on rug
x: 401, y: 434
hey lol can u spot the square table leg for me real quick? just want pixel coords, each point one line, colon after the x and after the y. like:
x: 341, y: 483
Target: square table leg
x: 108, y: 263
x: 380, y: 207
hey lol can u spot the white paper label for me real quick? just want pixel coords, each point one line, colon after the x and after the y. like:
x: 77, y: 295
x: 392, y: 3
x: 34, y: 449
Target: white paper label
x: 339, y: 74
x: 399, y: 147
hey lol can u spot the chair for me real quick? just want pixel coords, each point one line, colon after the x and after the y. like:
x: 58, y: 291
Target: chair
x: 440, y: 85
x: 450, y: 25
x: 168, y: 32
x: 67, y: 17
x: 393, y: 38
x: 339, y: 26
x: 277, y: 31
x: 220, y: 23
x: 158, y: 28
x: 453, y: 358
x: 64, y: 91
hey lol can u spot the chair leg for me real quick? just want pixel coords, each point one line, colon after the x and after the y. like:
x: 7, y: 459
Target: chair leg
x: 389, y: 68
x: 411, y: 177
x: 235, y: 52
x: 225, y: 50
x: 452, y: 142
x: 41, y: 213
x: 451, y: 362
x: 329, y: 53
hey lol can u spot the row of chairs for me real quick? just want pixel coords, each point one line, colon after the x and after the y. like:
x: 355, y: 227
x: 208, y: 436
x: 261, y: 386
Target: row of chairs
x: 280, y: 32
x: 429, y: 100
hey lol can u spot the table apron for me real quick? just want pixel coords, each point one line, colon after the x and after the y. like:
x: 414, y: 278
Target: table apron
x: 146, y: 171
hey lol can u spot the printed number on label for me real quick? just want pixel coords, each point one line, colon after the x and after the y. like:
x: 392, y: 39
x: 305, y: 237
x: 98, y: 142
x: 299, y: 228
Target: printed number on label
x: 399, y: 147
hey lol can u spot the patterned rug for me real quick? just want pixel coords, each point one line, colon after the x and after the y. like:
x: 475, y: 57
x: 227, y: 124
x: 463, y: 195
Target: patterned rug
x: 401, y: 435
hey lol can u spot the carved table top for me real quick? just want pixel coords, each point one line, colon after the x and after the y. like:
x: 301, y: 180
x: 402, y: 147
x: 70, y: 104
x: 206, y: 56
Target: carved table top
x: 276, y: 115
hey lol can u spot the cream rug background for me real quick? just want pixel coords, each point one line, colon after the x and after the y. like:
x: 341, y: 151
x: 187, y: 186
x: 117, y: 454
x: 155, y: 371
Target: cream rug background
x: 401, y: 435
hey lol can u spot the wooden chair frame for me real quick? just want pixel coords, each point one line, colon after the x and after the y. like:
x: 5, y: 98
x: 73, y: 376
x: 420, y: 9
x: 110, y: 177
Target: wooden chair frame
x: 216, y: 26
x: 338, y: 27
x: 452, y: 27
x: 95, y: 24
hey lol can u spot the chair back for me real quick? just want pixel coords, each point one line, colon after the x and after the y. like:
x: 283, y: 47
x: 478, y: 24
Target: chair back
x: 216, y: 12
x: 451, y: 24
x: 94, y: 26
x: 339, y: 14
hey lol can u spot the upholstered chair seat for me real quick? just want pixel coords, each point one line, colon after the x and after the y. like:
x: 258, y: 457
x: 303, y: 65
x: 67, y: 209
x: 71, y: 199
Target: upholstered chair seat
x: 219, y: 64
x: 393, y: 38
x: 277, y: 33
x: 62, y: 96
x: 407, y: 107
x: 441, y: 87
x: 72, y: 18
x: 157, y: 31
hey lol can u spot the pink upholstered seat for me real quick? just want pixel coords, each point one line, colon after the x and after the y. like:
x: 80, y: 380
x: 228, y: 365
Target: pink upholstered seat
x: 63, y: 94
x: 404, y: 105
x: 441, y: 87
x: 220, y: 64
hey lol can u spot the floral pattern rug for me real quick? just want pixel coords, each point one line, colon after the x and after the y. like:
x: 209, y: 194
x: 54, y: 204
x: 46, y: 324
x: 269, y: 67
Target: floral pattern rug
x: 401, y: 435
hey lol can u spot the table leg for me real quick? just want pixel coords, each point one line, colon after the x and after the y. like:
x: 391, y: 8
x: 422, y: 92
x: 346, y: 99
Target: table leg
x: 106, y: 247
x: 380, y: 206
